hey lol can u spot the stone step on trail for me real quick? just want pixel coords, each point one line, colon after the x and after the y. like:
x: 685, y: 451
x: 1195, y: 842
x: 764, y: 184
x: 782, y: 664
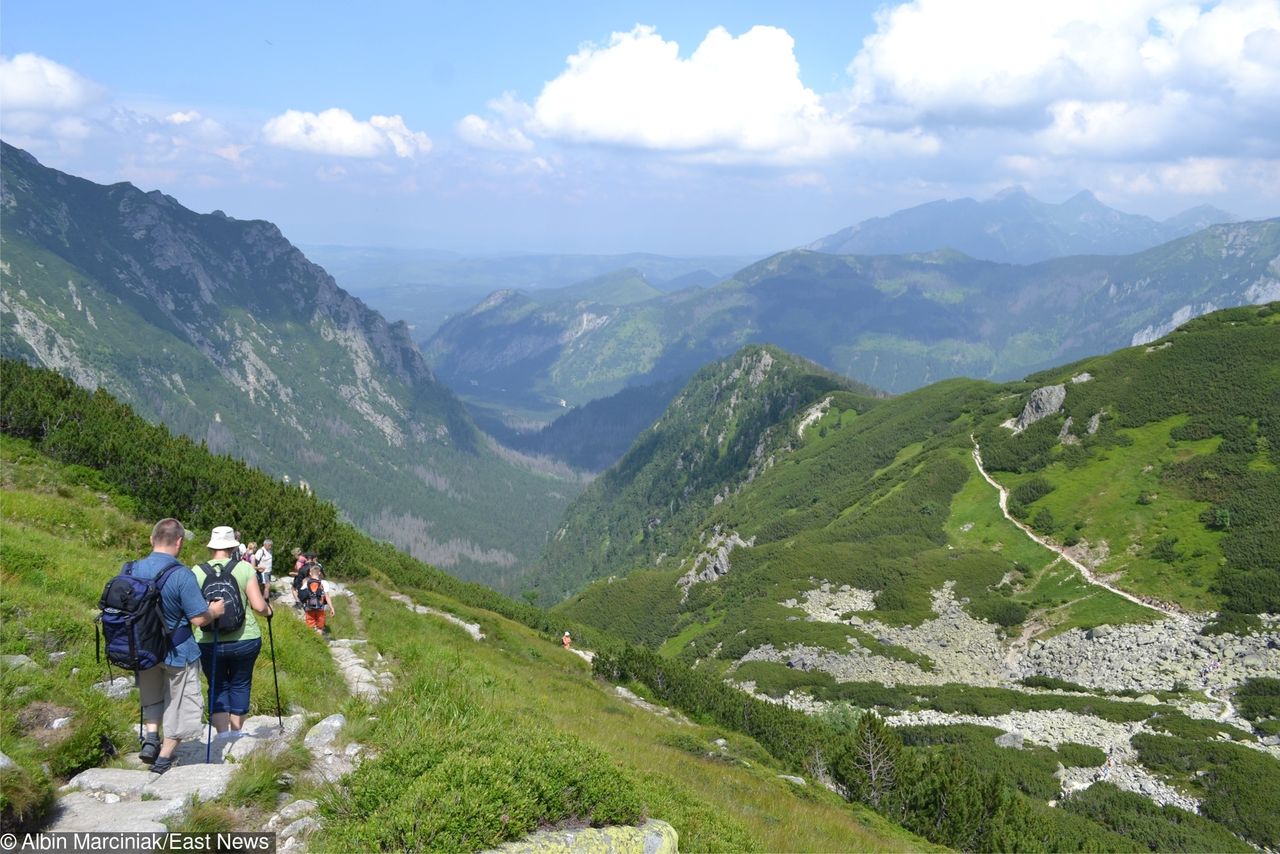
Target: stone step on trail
x: 135, y: 799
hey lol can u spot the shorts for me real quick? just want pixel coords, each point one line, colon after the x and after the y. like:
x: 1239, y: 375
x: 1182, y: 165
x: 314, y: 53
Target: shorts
x: 264, y: 578
x: 172, y: 696
x: 315, y: 619
x: 231, y: 681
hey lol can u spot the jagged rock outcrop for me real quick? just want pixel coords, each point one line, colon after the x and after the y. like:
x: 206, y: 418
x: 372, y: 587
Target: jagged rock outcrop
x: 1044, y: 401
x: 713, y: 561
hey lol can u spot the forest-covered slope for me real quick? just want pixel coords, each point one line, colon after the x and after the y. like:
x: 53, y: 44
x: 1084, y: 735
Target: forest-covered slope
x: 222, y: 330
x: 721, y: 430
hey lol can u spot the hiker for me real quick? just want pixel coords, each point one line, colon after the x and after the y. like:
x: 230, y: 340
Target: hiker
x: 296, y: 574
x: 314, y: 598
x: 170, y: 692
x: 229, y: 648
x: 249, y: 554
x: 566, y: 640
x: 262, y: 559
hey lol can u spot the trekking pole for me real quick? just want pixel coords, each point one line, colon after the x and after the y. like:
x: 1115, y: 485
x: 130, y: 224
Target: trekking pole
x: 271, y: 637
x: 213, y: 681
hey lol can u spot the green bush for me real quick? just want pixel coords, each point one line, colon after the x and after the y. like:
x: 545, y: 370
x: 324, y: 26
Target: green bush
x: 1080, y: 755
x: 1241, y: 786
x: 1159, y: 828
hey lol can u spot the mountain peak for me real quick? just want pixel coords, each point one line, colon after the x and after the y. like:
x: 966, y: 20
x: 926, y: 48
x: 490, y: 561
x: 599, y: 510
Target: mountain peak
x: 1015, y: 191
x: 1082, y: 199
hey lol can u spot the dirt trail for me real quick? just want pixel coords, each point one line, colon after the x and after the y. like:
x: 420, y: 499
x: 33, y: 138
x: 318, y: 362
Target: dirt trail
x: 1085, y: 571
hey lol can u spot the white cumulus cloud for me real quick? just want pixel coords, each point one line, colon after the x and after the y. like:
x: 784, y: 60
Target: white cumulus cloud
x: 1092, y: 77
x: 734, y: 96
x: 337, y: 132
x: 30, y: 82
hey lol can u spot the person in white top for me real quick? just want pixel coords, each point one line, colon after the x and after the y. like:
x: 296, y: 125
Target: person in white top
x: 262, y: 559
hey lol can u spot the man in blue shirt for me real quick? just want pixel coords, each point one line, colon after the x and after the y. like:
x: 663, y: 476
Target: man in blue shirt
x: 170, y: 692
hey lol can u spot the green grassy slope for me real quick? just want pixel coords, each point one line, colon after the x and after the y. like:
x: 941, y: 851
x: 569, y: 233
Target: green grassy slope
x: 495, y: 739
x: 63, y: 533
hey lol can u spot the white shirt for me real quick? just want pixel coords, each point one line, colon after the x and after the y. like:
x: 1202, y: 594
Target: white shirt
x: 263, y: 557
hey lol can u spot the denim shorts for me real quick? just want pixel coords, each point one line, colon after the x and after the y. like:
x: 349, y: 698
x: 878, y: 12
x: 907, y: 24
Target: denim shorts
x: 232, y: 679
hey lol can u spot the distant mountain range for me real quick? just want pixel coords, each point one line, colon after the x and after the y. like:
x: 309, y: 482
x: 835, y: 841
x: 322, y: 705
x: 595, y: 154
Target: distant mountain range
x: 224, y: 331
x: 896, y: 322
x: 426, y: 287
x: 1016, y: 228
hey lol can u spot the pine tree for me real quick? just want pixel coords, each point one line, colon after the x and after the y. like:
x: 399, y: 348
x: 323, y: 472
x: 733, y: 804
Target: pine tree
x: 869, y: 763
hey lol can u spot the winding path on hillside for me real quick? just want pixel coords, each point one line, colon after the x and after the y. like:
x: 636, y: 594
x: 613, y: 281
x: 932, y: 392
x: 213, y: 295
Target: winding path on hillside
x: 1228, y: 710
x: 1085, y: 571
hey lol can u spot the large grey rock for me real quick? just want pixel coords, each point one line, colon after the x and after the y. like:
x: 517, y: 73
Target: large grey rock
x: 79, y: 811
x: 290, y: 813
x: 1044, y: 401
x: 6, y: 762
x: 303, y: 827
x: 206, y: 782
x: 319, y: 740
x: 653, y: 837
x: 1010, y: 739
x: 16, y: 662
x: 118, y: 781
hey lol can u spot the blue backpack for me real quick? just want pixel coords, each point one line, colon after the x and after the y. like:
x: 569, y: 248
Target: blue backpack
x: 132, y: 620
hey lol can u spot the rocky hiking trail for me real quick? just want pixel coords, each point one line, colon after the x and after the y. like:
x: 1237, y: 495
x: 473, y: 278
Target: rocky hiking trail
x: 129, y: 797
x: 132, y: 798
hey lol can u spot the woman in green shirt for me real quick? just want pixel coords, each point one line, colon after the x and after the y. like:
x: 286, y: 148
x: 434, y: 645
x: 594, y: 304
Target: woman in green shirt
x: 228, y: 663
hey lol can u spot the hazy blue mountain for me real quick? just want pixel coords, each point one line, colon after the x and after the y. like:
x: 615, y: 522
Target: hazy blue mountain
x: 224, y: 331
x: 895, y: 321
x: 1015, y: 227
x: 426, y: 287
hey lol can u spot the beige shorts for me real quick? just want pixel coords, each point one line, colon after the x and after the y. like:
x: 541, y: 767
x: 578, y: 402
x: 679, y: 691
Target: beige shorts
x: 172, y: 696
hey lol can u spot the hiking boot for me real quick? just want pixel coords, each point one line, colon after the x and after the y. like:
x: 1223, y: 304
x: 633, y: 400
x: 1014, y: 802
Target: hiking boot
x: 162, y: 764
x: 150, y: 748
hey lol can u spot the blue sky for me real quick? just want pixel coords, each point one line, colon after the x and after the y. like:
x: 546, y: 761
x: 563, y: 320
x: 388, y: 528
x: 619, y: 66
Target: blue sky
x: 667, y: 127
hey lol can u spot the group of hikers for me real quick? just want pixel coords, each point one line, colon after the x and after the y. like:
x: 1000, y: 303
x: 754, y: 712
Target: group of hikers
x: 168, y: 623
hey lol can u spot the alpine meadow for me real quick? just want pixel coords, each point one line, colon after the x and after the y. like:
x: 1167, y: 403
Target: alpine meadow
x: 640, y: 428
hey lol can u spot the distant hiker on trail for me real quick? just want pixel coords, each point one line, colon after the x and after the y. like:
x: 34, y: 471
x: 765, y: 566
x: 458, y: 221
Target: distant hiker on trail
x: 170, y: 692
x: 229, y: 648
x: 314, y: 597
x: 249, y: 554
x: 566, y: 640
x: 263, y: 562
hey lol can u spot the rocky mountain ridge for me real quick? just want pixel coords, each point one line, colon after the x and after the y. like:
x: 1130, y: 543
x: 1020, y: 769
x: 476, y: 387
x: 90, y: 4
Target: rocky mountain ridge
x: 223, y: 330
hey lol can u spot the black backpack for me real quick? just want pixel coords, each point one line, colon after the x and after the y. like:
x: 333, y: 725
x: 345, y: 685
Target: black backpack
x: 219, y: 583
x: 132, y: 620
x: 312, y: 595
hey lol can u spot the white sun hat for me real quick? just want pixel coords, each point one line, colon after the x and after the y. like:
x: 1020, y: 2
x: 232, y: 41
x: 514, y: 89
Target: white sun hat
x: 223, y: 537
